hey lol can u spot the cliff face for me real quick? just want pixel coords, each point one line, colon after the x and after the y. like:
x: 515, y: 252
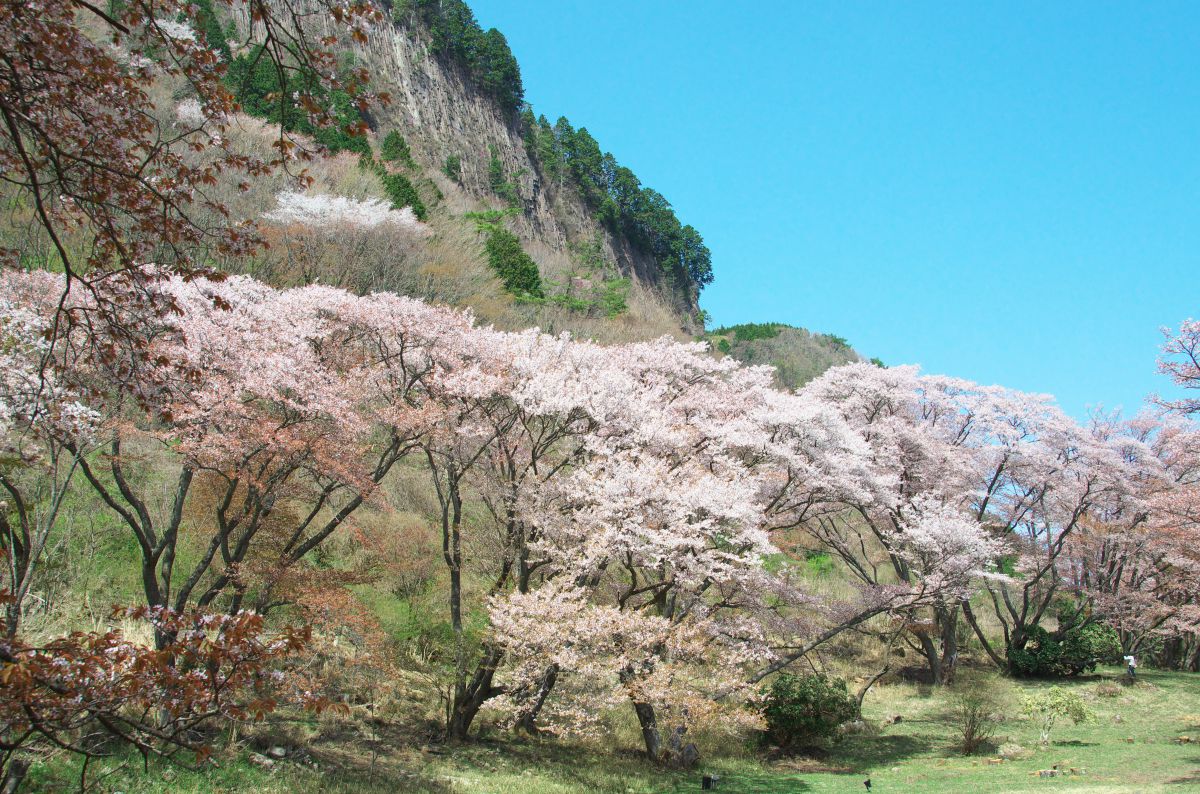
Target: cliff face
x: 441, y: 114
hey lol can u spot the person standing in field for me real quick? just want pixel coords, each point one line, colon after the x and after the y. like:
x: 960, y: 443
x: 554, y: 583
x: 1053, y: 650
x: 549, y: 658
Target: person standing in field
x: 1131, y: 666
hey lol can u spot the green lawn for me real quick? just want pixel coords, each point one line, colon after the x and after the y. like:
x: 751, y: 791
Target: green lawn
x: 1131, y: 746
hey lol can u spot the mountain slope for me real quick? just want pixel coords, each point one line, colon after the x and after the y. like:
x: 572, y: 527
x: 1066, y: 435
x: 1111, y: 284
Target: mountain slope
x: 613, y: 260
x: 798, y: 355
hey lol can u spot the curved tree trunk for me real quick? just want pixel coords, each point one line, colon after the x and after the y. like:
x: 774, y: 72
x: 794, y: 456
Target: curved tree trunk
x: 528, y: 720
x: 469, y: 696
x: 673, y: 751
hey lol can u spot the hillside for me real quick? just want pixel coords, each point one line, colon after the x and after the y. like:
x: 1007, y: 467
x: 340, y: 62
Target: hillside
x: 797, y: 354
x: 613, y: 261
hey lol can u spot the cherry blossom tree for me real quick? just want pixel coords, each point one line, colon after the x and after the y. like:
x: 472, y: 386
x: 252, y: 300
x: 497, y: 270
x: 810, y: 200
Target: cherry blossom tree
x: 37, y: 409
x: 1145, y: 582
x: 322, y: 211
x: 647, y: 542
x: 1052, y: 478
x: 1180, y: 361
x: 288, y: 407
x: 910, y: 520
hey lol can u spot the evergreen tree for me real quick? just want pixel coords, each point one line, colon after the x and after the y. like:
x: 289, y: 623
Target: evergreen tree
x: 514, y: 267
x: 498, y: 72
x: 453, y: 167
x: 255, y: 82
x: 209, y: 26
x: 403, y: 194
x: 395, y: 149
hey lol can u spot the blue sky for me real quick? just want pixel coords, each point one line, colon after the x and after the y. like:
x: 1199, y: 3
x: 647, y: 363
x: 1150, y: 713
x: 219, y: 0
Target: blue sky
x: 1006, y: 192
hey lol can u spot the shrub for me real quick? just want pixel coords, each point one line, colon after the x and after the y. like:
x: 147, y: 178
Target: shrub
x: 1046, y: 707
x: 1067, y: 652
x: 819, y: 563
x: 402, y: 193
x: 499, y: 182
x: 514, y: 267
x: 801, y: 709
x: 837, y: 341
x: 453, y: 167
x: 395, y: 149
x: 976, y: 711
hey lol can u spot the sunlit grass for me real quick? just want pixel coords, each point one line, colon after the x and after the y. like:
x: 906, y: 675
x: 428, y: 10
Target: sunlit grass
x: 1132, y: 745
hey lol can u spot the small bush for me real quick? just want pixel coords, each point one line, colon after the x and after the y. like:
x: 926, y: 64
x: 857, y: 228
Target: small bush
x: 453, y: 167
x: 514, y: 267
x: 1107, y: 689
x: 819, y: 563
x: 803, y: 709
x: 977, y: 714
x: 402, y: 194
x: 395, y: 149
x: 1047, y: 707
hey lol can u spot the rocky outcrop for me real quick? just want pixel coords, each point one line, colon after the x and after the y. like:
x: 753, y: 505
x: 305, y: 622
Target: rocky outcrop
x: 440, y: 113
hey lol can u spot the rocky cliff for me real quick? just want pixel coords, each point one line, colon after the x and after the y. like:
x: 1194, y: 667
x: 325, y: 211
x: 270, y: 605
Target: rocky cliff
x: 441, y: 114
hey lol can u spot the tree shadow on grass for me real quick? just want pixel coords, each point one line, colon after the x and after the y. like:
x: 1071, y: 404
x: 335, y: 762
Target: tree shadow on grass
x: 749, y: 783
x: 865, y: 752
x: 1190, y: 779
x: 581, y: 768
x: 364, y: 761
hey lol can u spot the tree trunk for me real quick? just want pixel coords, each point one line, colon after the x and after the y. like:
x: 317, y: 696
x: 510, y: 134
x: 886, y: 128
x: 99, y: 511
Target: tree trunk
x: 948, y: 623
x: 674, y: 752
x: 17, y: 769
x: 983, y: 640
x: 933, y: 660
x: 469, y: 696
x: 528, y: 721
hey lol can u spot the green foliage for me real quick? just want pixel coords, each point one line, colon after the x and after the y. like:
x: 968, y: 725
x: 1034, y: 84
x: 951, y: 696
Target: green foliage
x: 596, y: 288
x: 819, y: 563
x: 724, y: 346
x: 614, y: 294
x: 484, y: 55
x: 399, y: 188
x: 837, y: 341
x: 878, y: 362
x: 976, y: 710
x: 489, y: 220
x: 208, y: 24
x: 617, y: 196
x: 256, y: 83
x: 453, y: 167
x: 1067, y: 652
x: 499, y: 183
x: 1047, y: 707
x: 514, y: 267
x: 802, y: 709
x: 748, y: 332
x: 395, y: 149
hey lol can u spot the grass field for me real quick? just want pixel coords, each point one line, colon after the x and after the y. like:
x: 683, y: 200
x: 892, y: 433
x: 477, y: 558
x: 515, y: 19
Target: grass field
x: 1132, y: 745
